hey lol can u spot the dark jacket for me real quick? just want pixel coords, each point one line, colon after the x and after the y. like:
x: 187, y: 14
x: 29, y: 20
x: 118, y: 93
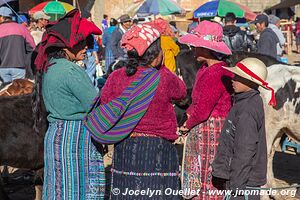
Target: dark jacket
x: 241, y: 156
x: 115, y: 43
x: 16, y: 46
x: 267, y: 43
x: 237, y: 40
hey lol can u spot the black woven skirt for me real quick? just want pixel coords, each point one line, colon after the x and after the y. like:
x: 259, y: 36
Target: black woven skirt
x: 145, y: 168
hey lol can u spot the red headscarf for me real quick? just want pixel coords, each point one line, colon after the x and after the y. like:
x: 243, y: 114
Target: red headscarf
x: 140, y: 37
x: 65, y: 33
x: 162, y: 26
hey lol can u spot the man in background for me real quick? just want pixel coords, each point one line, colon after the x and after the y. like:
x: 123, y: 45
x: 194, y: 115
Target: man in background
x: 234, y: 37
x: 125, y: 24
x: 104, y: 23
x: 274, y: 24
x: 38, y: 29
x: 267, y: 43
x: 16, y: 47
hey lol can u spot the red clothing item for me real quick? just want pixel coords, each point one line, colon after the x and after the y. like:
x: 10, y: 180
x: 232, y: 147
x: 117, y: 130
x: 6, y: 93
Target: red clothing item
x: 160, y: 118
x: 211, y: 96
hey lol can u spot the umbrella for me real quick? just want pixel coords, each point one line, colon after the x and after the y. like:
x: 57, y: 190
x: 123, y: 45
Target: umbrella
x: 133, y: 8
x: 162, y: 7
x: 221, y: 8
x: 5, y: 1
x: 55, y: 9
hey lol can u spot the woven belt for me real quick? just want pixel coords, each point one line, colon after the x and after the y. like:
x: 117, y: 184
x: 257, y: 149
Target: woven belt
x: 145, y: 173
x: 135, y: 134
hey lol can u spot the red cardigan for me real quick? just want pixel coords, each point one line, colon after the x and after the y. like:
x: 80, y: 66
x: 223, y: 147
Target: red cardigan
x: 160, y: 118
x: 211, y: 96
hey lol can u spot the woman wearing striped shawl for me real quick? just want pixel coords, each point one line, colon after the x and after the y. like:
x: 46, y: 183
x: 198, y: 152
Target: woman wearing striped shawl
x: 147, y: 159
x: 73, y: 166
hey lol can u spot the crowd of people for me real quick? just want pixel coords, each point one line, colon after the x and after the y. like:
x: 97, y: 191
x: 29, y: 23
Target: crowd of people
x: 225, y: 137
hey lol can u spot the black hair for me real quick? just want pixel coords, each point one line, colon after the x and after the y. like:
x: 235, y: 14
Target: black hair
x: 218, y: 56
x: 146, y: 59
x: 230, y: 17
x: 90, y: 41
x: 56, y: 52
x: 104, y: 16
x: 173, y: 23
x: 266, y: 23
x: 85, y: 14
x: 135, y: 21
x: 113, y: 22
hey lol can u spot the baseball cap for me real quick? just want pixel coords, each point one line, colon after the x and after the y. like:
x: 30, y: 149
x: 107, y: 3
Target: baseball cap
x: 273, y: 19
x: 5, y: 12
x: 40, y: 15
x: 261, y: 18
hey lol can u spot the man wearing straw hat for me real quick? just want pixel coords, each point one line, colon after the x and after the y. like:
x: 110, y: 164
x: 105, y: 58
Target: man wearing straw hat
x: 241, y: 158
x: 16, y: 47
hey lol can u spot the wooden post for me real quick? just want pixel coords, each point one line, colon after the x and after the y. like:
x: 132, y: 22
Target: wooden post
x: 289, y: 41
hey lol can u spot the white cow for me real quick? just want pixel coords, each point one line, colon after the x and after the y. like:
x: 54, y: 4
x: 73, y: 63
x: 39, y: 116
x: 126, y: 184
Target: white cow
x: 285, y: 117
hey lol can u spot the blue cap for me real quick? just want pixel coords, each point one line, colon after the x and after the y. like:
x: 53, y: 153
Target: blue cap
x: 5, y: 12
x: 21, y: 19
x: 261, y: 18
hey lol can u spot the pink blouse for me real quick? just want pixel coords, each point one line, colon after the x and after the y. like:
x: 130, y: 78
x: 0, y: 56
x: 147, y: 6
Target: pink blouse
x: 211, y: 96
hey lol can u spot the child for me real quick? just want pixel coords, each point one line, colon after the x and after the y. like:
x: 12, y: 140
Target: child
x: 241, y: 159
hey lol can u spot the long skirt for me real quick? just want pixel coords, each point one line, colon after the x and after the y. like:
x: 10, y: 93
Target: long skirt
x: 145, y: 168
x: 73, y: 167
x: 200, y: 150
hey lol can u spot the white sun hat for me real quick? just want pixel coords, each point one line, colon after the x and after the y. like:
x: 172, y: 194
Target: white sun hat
x: 254, y: 70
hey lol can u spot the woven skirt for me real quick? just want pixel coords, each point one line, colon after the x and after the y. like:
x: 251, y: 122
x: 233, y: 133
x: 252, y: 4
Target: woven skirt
x: 73, y: 167
x: 200, y: 150
x: 145, y: 168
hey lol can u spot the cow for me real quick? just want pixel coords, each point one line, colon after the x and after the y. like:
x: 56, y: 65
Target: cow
x: 283, y: 118
x: 21, y: 142
x: 21, y: 137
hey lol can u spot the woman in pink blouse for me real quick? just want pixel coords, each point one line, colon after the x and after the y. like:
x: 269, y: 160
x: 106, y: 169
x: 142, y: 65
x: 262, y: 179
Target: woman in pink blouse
x: 211, y: 102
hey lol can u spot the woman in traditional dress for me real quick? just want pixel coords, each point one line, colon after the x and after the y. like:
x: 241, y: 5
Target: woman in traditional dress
x: 211, y: 102
x: 73, y: 166
x: 147, y: 159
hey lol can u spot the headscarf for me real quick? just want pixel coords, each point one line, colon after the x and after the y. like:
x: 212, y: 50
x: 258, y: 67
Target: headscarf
x: 162, y: 26
x: 65, y: 33
x: 140, y: 37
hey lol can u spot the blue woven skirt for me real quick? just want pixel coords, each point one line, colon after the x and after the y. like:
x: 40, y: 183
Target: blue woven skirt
x: 73, y: 167
x: 145, y: 168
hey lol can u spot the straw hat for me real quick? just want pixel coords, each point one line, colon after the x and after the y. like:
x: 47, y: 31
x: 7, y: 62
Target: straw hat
x: 254, y: 70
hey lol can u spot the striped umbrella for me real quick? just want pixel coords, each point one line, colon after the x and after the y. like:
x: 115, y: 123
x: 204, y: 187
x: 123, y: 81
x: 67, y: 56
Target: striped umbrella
x: 5, y: 1
x: 221, y: 8
x: 55, y: 9
x: 159, y: 7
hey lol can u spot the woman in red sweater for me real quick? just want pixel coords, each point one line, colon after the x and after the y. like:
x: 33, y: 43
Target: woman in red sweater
x: 146, y: 160
x: 211, y: 101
